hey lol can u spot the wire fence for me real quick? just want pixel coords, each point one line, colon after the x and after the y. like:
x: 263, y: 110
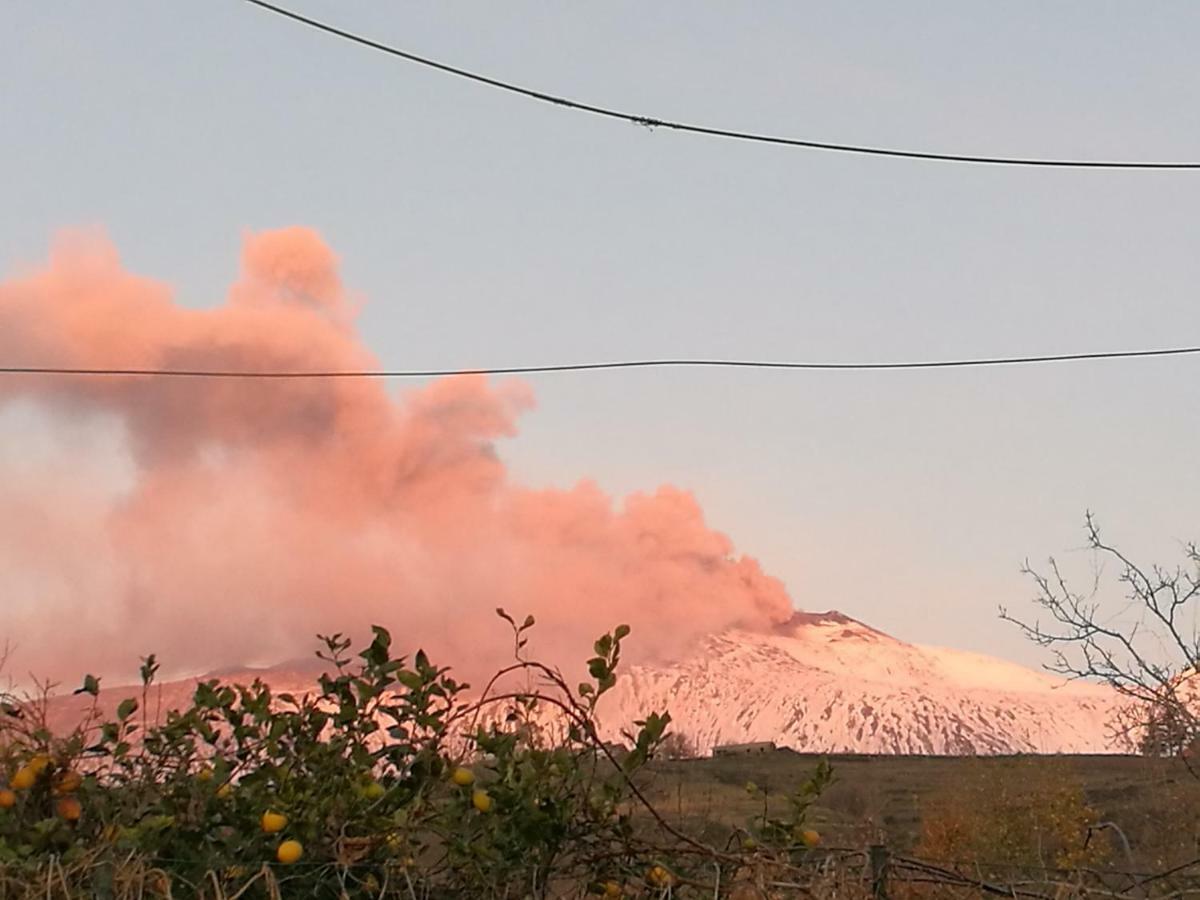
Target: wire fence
x: 834, y: 873
x: 889, y: 874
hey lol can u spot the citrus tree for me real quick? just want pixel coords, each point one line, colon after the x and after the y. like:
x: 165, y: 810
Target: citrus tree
x: 388, y: 778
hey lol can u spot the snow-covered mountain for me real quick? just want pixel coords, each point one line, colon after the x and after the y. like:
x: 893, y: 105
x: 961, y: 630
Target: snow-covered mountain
x: 821, y: 683
x: 827, y: 683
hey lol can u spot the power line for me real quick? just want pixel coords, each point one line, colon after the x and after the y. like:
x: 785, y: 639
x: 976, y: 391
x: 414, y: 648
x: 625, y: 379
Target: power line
x: 652, y: 122
x: 596, y: 366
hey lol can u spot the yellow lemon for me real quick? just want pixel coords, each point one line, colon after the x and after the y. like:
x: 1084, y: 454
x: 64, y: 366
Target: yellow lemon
x: 273, y: 822
x: 68, y: 782
x: 749, y: 843
x: 289, y: 852
x: 69, y: 808
x: 39, y: 764
x: 463, y: 777
x: 23, y: 779
x: 374, y: 790
x: 660, y: 876
x: 811, y: 838
x: 7, y: 799
x: 225, y: 790
x: 482, y: 801
x: 612, y: 889
x: 205, y: 773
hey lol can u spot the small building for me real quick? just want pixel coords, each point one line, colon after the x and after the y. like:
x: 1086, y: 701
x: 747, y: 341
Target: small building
x: 744, y: 749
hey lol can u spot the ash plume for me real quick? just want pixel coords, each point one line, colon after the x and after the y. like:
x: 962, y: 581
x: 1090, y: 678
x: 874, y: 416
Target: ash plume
x: 221, y: 521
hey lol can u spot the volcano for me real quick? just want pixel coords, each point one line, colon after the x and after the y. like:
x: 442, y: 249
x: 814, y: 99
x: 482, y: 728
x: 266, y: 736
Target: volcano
x: 827, y: 683
x: 820, y: 683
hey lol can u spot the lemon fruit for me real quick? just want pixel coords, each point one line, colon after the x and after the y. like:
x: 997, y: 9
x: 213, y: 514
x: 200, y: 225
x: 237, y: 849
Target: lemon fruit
x: 67, y: 782
x: 660, y: 877
x: 482, y: 801
x: 463, y: 777
x: 23, y: 779
x: 289, y: 852
x: 273, y: 822
x: 69, y: 808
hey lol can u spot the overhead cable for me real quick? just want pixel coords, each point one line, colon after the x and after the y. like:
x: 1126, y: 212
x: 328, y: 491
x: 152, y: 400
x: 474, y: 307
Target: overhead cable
x: 710, y: 131
x: 597, y: 366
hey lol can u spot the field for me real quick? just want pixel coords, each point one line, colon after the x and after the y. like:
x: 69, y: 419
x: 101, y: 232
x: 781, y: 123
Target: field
x: 881, y: 799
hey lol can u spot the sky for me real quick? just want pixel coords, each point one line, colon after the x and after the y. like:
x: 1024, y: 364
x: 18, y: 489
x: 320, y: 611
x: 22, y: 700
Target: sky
x: 482, y: 229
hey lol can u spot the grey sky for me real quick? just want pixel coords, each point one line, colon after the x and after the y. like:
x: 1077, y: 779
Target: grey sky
x: 489, y: 230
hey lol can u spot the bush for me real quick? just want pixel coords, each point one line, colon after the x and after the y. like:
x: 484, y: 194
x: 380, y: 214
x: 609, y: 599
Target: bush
x: 388, y: 779
x: 1007, y: 817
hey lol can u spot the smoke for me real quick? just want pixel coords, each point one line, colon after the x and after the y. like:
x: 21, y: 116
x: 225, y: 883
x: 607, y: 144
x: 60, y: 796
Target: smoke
x: 219, y: 521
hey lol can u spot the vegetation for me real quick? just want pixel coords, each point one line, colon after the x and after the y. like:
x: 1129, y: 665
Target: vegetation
x: 896, y: 800
x: 1022, y: 818
x: 392, y: 779
x: 1143, y: 641
x: 388, y: 779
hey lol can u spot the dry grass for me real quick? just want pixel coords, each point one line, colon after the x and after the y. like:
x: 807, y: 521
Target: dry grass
x: 879, y: 799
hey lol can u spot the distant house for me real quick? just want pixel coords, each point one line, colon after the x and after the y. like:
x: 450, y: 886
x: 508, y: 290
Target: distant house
x: 744, y: 749
x: 608, y: 750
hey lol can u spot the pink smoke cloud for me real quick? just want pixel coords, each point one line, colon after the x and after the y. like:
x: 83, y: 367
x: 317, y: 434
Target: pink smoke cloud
x: 236, y: 519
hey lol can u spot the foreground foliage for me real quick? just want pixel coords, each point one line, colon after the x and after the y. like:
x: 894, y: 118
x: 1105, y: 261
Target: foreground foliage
x: 388, y: 779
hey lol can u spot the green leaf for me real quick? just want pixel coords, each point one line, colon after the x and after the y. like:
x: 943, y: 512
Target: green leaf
x: 621, y: 632
x: 149, y: 668
x: 91, y: 685
x: 379, y: 652
x: 127, y: 708
x: 409, y: 679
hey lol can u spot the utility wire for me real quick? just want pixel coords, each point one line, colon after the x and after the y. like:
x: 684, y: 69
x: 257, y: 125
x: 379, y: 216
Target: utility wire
x: 595, y: 366
x: 651, y: 122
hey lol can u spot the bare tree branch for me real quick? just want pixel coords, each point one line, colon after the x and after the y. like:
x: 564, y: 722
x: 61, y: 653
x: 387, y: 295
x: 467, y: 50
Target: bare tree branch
x: 1142, y: 642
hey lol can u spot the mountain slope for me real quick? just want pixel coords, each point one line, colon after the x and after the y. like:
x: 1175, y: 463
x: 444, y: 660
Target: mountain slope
x: 821, y: 683
x: 827, y: 683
